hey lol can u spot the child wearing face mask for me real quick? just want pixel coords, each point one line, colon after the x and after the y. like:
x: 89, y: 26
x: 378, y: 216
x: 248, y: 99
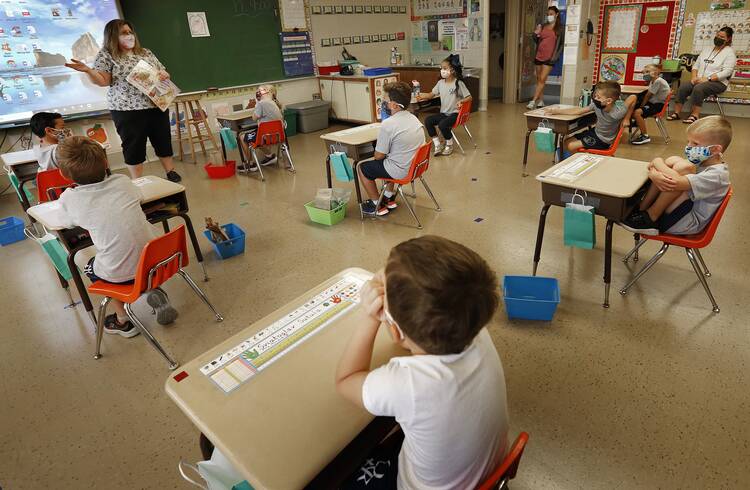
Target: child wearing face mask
x: 453, y: 93
x: 266, y: 108
x: 686, y: 192
x: 653, y: 101
x: 51, y: 130
x: 609, y: 117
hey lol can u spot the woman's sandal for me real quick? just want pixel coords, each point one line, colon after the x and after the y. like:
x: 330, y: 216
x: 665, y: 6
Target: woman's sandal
x: 690, y: 120
x: 673, y: 117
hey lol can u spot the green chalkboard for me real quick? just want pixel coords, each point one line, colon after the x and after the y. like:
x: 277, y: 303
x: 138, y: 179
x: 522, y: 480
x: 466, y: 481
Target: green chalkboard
x: 243, y: 48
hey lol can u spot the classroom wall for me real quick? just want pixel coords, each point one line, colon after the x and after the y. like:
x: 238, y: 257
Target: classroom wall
x: 578, y: 71
x: 471, y: 28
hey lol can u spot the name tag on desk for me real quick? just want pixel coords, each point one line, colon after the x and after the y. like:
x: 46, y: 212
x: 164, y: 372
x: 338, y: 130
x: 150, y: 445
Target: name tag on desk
x: 141, y: 181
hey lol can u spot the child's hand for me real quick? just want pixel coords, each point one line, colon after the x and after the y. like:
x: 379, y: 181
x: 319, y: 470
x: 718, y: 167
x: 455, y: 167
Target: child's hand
x: 663, y: 182
x: 372, y: 297
x: 552, y: 111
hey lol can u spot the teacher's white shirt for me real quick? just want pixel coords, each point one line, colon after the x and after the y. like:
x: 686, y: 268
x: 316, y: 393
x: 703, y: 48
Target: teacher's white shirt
x: 722, y: 63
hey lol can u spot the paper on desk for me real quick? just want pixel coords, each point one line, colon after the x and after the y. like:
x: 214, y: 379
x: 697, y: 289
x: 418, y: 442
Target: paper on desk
x: 575, y: 168
x: 141, y: 181
x: 542, y: 110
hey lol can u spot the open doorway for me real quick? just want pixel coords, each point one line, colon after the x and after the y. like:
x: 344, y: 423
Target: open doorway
x: 496, y: 49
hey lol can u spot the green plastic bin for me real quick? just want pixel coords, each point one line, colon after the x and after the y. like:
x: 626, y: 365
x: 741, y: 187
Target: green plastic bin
x: 290, y: 116
x: 323, y: 217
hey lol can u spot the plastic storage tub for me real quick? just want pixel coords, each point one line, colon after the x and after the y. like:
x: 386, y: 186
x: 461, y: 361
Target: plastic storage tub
x: 531, y: 297
x: 311, y: 115
x: 229, y: 248
x: 220, y: 171
x: 328, y: 70
x: 11, y: 230
x: 372, y: 72
x: 323, y: 217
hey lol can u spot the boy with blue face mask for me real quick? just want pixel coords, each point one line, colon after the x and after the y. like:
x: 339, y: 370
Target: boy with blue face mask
x: 51, y: 130
x: 686, y: 192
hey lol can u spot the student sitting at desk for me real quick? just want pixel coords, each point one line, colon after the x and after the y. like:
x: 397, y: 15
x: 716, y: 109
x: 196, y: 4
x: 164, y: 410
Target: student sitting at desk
x: 399, y: 138
x: 653, y: 101
x: 685, y: 194
x: 267, y: 108
x: 609, y: 117
x: 434, y: 297
x: 51, y: 130
x: 109, y: 208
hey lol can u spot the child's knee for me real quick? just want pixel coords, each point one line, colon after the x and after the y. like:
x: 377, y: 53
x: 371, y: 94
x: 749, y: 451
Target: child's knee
x: 638, y: 113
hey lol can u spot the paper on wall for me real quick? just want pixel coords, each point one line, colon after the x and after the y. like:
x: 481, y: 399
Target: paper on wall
x: 570, y: 54
x: 198, y: 24
x: 571, y: 34
x: 641, y: 62
x: 462, y: 38
x: 573, y: 15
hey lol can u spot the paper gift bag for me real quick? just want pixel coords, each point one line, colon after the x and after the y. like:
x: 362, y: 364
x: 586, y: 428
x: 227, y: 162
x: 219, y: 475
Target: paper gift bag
x: 544, y: 138
x: 579, y: 229
x: 55, y: 251
x: 341, y: 166
x: 227, y: 136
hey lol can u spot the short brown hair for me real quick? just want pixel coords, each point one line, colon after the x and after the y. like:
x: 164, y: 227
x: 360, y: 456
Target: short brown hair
x: 717, y: 129
x: 609, y: 89
x: 82, y: 160
x: 440, y: 293
x: 399, y: 92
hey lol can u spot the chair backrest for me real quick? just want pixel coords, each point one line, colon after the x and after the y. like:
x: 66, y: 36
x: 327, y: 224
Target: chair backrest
x: 419, y: 164
x: 508, y: 468
x: 663, y: 111
x: 161, y: 258
x: 612, y: 148
x: 270, y: 133
x: 51, y: 183
x: 463, y: 114
x: 709, y: 231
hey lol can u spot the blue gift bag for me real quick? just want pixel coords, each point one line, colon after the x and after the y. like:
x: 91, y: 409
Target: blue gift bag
x: 579, y: 226
x: 341, y: 166
x: 544, y: 137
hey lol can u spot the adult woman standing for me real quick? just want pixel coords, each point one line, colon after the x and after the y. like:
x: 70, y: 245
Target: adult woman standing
x: 710, y: 75
x: 548, y: 48
x: 135, y: 116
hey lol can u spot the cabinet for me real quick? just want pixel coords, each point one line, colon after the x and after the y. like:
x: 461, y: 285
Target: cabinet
x: 354, y: 98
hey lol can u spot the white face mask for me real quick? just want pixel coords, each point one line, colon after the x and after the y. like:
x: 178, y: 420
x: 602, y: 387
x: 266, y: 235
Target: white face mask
x: 445, y: 73
x: 550, y: 18
x: 127, y: 41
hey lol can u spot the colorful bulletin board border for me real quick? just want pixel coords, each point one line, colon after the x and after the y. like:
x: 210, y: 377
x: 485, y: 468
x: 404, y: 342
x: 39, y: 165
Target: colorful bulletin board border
x: 436, y: 9
x: 612, y: 13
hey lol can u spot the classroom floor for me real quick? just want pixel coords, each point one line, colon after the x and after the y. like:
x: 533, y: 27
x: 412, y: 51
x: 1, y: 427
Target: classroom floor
x: 651, y: 393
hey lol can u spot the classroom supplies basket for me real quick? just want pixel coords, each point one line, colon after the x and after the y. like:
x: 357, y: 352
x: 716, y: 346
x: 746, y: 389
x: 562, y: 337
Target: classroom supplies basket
x: 220, y: 171
x: 531, y: 297
x: 11, y: 230
x: 228, y: 248
x: 325, y: 217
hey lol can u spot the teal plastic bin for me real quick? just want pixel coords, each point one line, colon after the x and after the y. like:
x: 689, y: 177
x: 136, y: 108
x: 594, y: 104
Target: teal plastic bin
x: 531, y: 297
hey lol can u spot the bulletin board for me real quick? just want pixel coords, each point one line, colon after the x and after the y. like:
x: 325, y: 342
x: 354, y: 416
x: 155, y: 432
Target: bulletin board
x: 657, y: 21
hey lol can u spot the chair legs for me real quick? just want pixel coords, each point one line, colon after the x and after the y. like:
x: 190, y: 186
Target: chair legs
x: 718, y: 104
x: 149, y: 337
x: 257, y: 163
x: 466, y: 128
x: 200, y: 293
x: 646, y: 267
x: 700, y: 259
x: 455, y: 138
x: 634, y: 252
x: 662, y: 129
x: 429, y: 193
x: 285, y: 148
x: 100, y: 326
x: 408, y: 205
x: 694, y: 257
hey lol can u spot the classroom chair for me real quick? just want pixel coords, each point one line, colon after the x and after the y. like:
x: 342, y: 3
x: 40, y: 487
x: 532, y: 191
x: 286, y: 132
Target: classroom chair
x: 692, y: 245
x: 464, y: 111
x: 611, y: 150
x: 271, y: 133
x: 419, y: 165
x: 660, y: 118
x: 715, y: 99
x: 49, y: 182
x: 507, y: 470
x: 162, y: 258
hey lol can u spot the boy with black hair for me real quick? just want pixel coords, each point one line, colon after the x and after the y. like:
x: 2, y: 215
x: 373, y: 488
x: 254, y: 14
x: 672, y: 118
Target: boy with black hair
x: 51, y: 130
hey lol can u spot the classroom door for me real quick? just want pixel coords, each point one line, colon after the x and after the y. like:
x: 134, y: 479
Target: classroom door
x: 532, y: 13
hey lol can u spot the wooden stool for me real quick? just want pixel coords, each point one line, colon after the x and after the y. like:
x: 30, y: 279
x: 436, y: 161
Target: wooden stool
x: 194, y: 117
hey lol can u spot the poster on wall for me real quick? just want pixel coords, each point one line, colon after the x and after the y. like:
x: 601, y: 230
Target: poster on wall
x: 437, y: 9
x: 621, y: 24
x: 98, y: 133
x: 656, y: 15
x: 728, y: 4
x: 708, y: 23
x: 612, y: 67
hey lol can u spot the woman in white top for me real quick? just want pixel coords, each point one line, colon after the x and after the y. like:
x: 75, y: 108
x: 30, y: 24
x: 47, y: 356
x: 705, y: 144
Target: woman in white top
x: 711, y: 73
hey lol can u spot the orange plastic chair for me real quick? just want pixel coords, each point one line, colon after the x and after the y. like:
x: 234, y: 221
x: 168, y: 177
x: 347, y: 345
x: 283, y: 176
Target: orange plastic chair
x: 162, y: 258
x: 507, y: 470
x: 692, y: 245
x: 270, y: 133
x: 461, y: 121
x: 419, y: 165
x: 659, y: 118
x: 49, y: 182
x: 612, y: 148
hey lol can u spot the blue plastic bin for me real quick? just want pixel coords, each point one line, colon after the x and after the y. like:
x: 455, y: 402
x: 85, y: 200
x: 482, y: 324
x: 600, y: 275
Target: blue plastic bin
x: 531, y: 297
x: 229, y: 248
x: 373, y: 72
x: 11, y: 230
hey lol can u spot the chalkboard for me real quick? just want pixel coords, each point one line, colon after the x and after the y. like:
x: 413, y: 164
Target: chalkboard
x: 243, y: 47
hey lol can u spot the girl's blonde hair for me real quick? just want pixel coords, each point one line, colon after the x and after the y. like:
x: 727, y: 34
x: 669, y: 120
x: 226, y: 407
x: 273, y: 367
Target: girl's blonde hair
x: 112, y: 38
x: 272, y: 90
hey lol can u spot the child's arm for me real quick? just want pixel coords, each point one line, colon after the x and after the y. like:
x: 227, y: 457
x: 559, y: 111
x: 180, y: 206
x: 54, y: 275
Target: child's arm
x: 575, y: 111
x: 630, y: 103
x: 423, y: 96
x: 354, y: 365
x: 645, y: 98
x: 666, y: 178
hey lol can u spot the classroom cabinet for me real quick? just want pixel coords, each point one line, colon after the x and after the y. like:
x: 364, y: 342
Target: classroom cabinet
x: 355, y: 98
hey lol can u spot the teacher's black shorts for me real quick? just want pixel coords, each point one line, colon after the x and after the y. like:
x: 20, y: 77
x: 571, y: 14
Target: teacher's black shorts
x: 134, y: 127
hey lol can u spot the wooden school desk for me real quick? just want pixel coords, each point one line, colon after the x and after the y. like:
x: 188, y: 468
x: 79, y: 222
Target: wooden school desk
x: 612, y: 187
x: 358, y: 143
x: 155, y: 191
x: 24, y: 166
x: 286, y: 422
x: 633, y: 89
x: 562, y: 125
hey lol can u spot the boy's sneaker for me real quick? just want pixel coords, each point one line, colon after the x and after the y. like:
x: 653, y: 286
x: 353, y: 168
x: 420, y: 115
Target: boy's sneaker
x: 113, y: 326
x: 390, y: 202
x: 448, y: 150
x: 640, y: 222
x: 439, y: 149
x: 531, y: 104
x: 269, y: 160
x: 369, y: 209
x: 173, y: 176
x: 247, y: 168
x: 158, y: 300
x: 641, y: 139
x: 540, y: 103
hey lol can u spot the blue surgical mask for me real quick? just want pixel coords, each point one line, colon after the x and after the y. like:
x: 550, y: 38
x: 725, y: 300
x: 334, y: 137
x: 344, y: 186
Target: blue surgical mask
x: 698, y: 154
x: 647, y: 77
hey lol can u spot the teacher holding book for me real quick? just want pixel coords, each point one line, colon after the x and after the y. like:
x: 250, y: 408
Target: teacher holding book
x: 134, y: 114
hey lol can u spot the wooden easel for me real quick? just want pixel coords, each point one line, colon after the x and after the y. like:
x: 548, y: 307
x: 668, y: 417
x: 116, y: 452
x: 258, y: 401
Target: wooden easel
x: 194, y: 117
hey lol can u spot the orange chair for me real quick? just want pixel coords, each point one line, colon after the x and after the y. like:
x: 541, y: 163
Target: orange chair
x: 692, y: 245
x: 48, y: 182
x: 463, y: 117
x: 507, y: 470
x: 419, y: 166
x: 162, y: 258
x: 270, y: 133
x: 612, y: 148
x: 659, y: 118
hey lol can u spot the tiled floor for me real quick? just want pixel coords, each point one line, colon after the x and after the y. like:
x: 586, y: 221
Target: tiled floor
x: 651, y: 393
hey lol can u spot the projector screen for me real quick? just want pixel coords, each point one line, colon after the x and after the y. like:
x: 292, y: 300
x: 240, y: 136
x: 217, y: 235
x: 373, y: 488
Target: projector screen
x: 36, y: 38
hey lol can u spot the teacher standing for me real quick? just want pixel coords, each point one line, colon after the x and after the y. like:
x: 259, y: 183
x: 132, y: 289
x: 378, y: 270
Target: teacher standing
x: 549, y: 44
x: 135, y: 116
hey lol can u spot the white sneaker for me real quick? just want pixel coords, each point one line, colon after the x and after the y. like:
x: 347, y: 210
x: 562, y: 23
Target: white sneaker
x: 448, y: 150
x: 439, y: 149
x: 540, y: 103
x: 531, y: 104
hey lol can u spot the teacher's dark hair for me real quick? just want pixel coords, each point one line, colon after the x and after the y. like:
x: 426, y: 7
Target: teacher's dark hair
x: 112, y: 37
x: 729, y: 32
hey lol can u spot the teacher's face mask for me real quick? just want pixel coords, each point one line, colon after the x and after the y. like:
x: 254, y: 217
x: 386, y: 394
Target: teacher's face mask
x: 127, y: 41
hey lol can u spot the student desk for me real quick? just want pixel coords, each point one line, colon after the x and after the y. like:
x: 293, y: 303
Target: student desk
x: 155, y: 191
x: 612, y: 187
x: 636, y: 90
x: 287, y: 422
x: 238, y: 122
x: 358, y: 143
x: 24, y: 166
x: 562, y: 125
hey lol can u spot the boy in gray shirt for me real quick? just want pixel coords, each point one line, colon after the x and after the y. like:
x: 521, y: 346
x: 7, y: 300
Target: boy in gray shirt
x: 685, y: 193
x: 266, y: 109
x: 653, y: 101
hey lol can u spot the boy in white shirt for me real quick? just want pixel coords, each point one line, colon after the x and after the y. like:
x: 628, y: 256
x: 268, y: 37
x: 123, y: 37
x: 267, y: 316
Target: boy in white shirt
x: 51, y: 130
x: 399, y: 138
x: 435, y: 296
x: 109, y: 208
x: 653, y: 101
